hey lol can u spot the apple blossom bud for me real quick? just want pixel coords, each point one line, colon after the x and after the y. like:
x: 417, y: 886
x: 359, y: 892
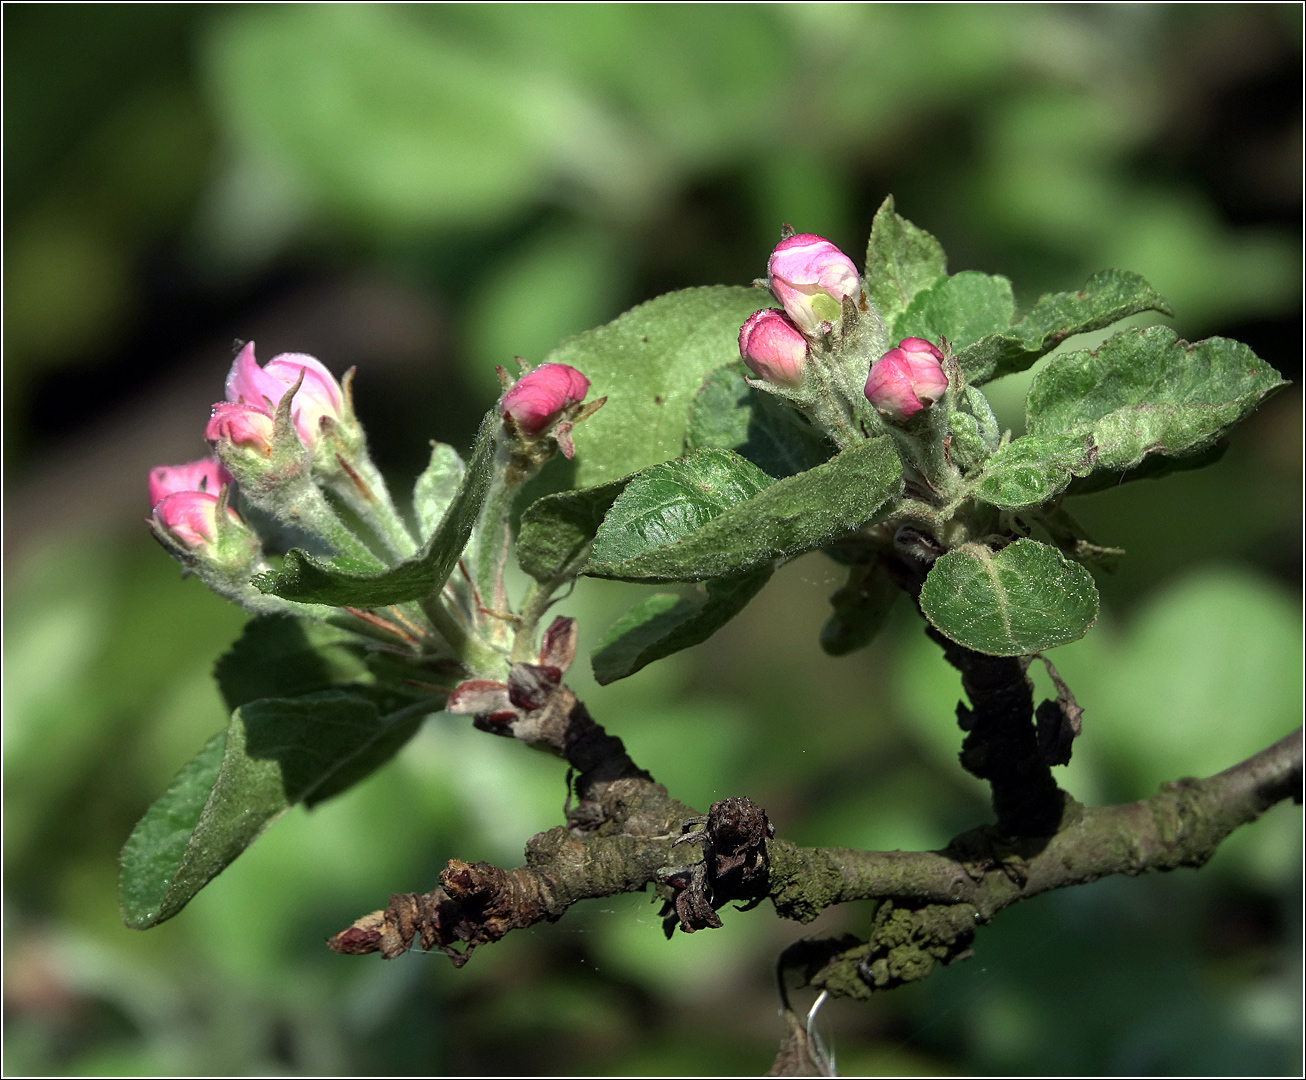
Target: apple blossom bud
x: 811, y: 277
x: 539, y: 398
x: 206, y: 475
x: 241, y: 425
x: 319, y: 394
x: 189, y: 519
x: 906, y: 379
x: 773, y: 348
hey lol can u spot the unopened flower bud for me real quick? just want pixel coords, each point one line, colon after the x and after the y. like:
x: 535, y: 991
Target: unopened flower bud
x: 190, y: 519
x: 319, y: 394
x: 811, y: 277
x: 773, y: 348
x: 906, y: 379
x: 241, y: 425
x: 538, y: 399
x: 206, y: 475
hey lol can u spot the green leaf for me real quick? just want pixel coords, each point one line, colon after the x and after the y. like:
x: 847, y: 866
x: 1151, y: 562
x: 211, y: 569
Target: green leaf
x: 1108, y: 297
x: 672, y: 523
x: 861, y: 608
x: 729, y: 414
x: 1145, y: 404
x: 1152, y: 467
x: 1145, y: 392
x: 278, y: 656
x: 649, y: 364
x: 274, y: 753
x: 1032, y: 469
x: 343, y: 583
x: 963, y: 308
x: 155, y: 850
x: 663, y: 504
x: 901, y: 261
x: 436, y: 487
x: 665, y: 623
x: 557, y: 530
x: 1020, y: 600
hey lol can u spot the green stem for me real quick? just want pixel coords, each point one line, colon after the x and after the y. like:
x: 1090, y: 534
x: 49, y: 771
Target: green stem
x: 492, y: 535
x: 479, y: 657
x: 534, y: 604
x: 373, y: 504
x: 831, y: 412
x: 309, y: 510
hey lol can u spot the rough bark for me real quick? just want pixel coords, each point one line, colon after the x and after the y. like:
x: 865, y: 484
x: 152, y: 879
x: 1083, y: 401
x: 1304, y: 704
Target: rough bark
x: 621, y: 836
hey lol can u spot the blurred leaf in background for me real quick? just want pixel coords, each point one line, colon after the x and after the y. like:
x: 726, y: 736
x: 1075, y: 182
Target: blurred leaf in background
x: 179, y: 175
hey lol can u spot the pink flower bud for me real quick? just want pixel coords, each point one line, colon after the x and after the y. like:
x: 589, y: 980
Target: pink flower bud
x: 773, y: 348
x: 539, y: 398
x: 241, y: 425
x: 189, y: 518
x: 811, y: 277
x: 906, y: 379
x: 206, y: 475
x: 263, y: 387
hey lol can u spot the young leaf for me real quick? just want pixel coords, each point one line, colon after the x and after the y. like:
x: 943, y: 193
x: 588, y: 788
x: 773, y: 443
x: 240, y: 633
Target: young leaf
x: 662, y: 505
x: 1143, y: 405
x: 1107, y: 297
x: 436, y: 487
x: 1020, y: 600
x: 274, y: 753
x: 277, y: 656
x: 556, y: 531
x: 649, y: 363
x: 342, y: 583
x: 729, y: 414
x: 666, y: 527
x: 1145, y: 392
x: 1152, y: 467
x: 963, y: 308
x: 1032, y: 469
x: 665, y: 623
x: 901, y: 261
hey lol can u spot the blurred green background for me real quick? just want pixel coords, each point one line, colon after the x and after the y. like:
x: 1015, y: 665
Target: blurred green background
x: 425, y: 192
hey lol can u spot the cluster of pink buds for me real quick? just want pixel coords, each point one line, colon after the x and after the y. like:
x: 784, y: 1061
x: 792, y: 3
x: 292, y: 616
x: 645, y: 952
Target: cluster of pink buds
x: 906, y: 379
x: 190, y: 512
x: 547, y: 402
x: 191, y: 515
x: 811, y: 278
x: 246, y: 418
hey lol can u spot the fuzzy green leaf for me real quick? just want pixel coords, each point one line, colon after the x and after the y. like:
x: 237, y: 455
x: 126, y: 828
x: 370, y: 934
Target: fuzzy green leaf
x: 963, y: 308
x: 1146, y: 392
x: 694, y: 519
x: 664, y: 504
x: 1107, y: 297
x: 1032, y: 469
x: 902, y: 260
x: 436, y: 487
x: 729, y: 414
x: 861, y: 608
x: 649, y: 364
x: 274, y: 753
x: 1144, y: 404
x: 342, y: 582
x: 557, y: 530
x: 277, y: 656
x: 665, y: 623
x: 1020, y: 600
